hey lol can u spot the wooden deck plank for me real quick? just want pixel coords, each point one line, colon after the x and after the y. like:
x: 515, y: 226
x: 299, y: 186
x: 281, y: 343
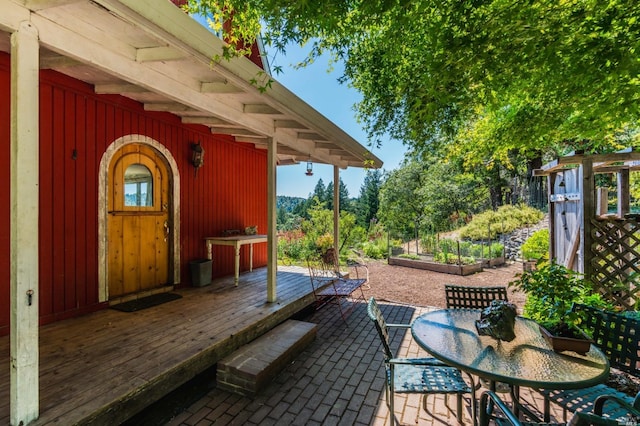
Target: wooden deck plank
x: 105, y: 366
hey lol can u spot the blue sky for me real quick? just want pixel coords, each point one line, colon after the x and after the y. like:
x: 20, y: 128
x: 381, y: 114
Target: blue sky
x: 320, y: 89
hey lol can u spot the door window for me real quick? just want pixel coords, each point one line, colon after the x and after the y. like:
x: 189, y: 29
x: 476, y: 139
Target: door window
x: 138, y: 186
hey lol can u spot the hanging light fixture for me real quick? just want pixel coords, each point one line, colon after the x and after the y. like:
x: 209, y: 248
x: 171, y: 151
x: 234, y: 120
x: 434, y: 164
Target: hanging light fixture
x: 197, y: 156
x: 309, y: 171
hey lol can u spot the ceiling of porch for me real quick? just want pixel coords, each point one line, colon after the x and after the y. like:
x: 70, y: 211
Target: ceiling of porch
x: 152, y: 52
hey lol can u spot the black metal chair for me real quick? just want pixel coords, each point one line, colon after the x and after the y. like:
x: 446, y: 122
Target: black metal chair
x: 471, y: 297
x: 415, y: 375
x: 494, y: 410
x: 468, y: 297
x: 618, y: 337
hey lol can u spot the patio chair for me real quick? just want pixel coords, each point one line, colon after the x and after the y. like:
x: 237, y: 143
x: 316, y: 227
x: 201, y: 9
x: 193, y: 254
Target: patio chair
x: 470, y: 297
x: 618, y: 336
x: 467, y: 297
x: 415, y: 375
x: 330, y: 285
x: 494, y: 410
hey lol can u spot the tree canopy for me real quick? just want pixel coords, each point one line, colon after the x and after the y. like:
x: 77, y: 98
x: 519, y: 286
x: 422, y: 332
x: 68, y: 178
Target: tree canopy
x: 491, y: 76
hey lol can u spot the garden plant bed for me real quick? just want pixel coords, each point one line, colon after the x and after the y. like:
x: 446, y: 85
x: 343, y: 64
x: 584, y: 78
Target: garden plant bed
x: 496, y: 261
x: 446, y: 268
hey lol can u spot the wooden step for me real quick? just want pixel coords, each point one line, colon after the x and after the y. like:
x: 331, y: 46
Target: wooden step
x: 247, y: 370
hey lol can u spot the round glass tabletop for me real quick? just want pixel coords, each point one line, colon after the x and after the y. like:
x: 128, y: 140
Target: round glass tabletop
x: 450, y: 335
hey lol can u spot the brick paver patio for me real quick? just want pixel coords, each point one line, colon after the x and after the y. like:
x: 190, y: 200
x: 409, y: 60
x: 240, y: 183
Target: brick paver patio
x: 337, y: 380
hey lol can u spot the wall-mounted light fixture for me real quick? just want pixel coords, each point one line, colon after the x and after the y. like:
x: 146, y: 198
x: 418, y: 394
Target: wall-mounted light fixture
x: 197, y: 156
x: 309, y: 171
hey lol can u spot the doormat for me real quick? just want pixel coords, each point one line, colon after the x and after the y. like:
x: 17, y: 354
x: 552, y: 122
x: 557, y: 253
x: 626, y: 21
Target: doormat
x: 146, y: 302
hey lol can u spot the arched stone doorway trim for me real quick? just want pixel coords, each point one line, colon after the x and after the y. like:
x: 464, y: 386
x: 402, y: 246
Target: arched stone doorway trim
x: 103, y: 288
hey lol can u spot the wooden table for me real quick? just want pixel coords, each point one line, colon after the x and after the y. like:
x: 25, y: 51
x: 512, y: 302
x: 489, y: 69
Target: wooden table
x: 235, y: 241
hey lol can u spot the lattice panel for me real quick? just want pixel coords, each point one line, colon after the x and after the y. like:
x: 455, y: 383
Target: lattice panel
x: 616, y: 251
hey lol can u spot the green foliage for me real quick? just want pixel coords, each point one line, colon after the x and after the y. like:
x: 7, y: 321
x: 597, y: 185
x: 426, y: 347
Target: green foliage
x: 315, y: 235
x: 369, y: 200
x: 375, y: 249
x: 447, y: 250
x: 490, y: 78
x: 409, y: 256
x: 293, y: 247
x: 536, y: 247
x: 324, y: 242
x: 506, y: 219
x: 429, y: 195
x: 551, y: 290
x: 452, y: 258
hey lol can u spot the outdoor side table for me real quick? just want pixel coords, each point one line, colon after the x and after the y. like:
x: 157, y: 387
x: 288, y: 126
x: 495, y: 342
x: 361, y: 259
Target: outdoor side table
x: 236, y: 242
x: 451, y: 336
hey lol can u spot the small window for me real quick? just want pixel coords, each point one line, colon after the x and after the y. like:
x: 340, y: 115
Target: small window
x: 138, y: 186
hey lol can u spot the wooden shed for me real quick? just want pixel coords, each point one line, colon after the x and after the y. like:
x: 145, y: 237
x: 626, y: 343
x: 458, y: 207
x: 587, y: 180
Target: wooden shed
x: 592, y: 228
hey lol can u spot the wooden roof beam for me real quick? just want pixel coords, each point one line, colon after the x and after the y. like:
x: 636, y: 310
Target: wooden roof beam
x: 257, y: 141
x: 160, y: 53
x: 219, y: 87
x: 167, y: 106
x: 234, y: 131
x: 47, y: 4
x: 117, y: 88
x: 207, y: 121
x: 312, y: 136
x: 259, y: 109
x: 289, y: 124
x: 51, y: 61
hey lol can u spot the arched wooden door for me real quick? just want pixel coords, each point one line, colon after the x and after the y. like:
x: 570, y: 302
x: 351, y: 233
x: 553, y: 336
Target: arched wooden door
x: 139, y: 222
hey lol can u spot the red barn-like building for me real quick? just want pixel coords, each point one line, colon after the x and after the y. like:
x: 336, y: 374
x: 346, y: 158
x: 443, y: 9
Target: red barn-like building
x: 103, y: 106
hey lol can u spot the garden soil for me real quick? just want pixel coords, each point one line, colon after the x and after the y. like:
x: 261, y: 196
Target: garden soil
x: 400, y: 284
x: 418, y: 287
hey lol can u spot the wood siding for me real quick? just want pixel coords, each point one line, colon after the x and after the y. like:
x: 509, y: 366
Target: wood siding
x: 76, y: 127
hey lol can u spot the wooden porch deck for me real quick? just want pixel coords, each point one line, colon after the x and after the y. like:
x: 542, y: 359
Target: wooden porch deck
x: 102, y: 368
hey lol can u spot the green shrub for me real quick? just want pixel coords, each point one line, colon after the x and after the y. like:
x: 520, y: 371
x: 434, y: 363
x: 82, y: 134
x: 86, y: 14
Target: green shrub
x: 536, y: 247
x: 469, y: 249
x: 376, y: 249
x: 452, y: 259
x: 409, y: 256
x: 501, y: 221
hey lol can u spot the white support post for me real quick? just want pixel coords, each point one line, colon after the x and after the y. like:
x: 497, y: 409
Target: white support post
x: 24, y: 393
x: 272, y: 238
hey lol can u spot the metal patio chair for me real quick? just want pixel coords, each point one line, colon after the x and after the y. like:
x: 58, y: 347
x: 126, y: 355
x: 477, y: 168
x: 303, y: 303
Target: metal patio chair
x: 618, y: 336
x: 494, y: 410
x: 415, y: 375
x: 330, y: 285
x: 468, y: 297
x: 471, y: 297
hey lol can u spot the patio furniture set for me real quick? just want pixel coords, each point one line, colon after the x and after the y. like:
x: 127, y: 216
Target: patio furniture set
x: 571, y: 380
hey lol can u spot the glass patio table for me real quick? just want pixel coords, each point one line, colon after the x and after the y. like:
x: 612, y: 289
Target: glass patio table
x: 451, y: 336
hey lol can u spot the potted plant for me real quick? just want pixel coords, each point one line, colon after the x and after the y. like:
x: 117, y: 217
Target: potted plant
x: 551, y: 290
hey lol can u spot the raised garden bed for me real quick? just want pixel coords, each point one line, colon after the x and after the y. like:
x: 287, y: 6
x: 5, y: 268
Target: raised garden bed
x: 437, y: 267
x: 490, y: 263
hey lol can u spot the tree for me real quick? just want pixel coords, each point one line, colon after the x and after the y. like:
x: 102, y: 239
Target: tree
x: 450, y: 195
x: 497, y: 75
x: 369, y: 200
x: 402, y: 202
x: 343, y: 195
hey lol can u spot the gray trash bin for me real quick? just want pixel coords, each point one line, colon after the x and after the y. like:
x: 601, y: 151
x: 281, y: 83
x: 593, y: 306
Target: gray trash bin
x: 200, y: 272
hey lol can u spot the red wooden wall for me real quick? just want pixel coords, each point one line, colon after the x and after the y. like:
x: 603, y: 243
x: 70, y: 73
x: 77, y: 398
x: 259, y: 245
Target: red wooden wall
x: 76, y: 127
